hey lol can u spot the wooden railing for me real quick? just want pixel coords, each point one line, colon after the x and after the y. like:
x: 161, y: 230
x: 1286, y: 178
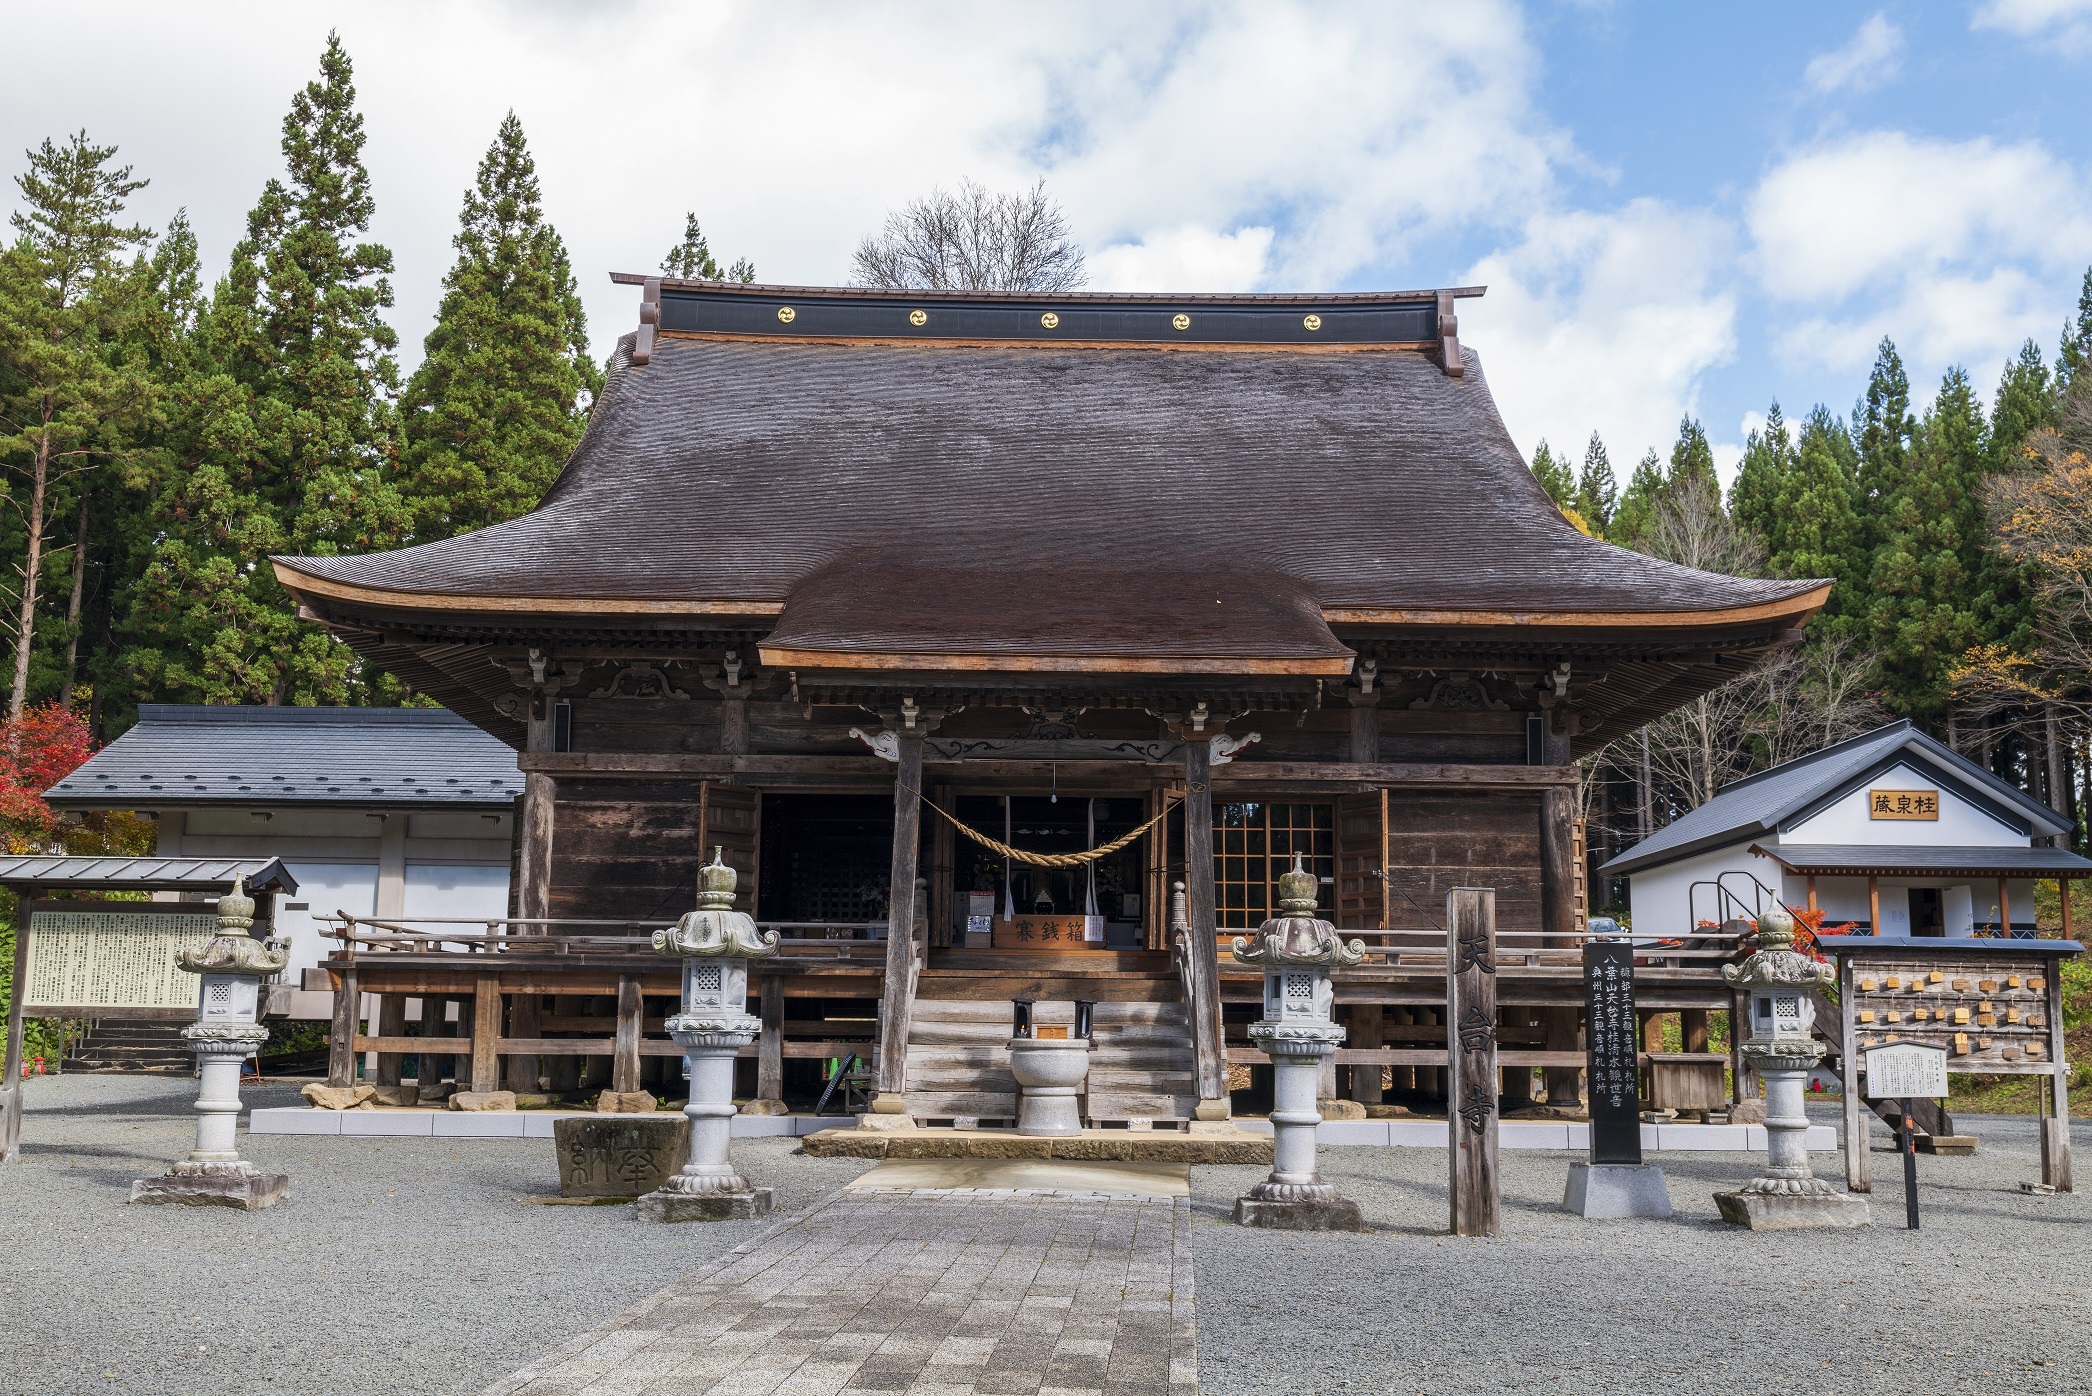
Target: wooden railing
x: 1703, y: 950
x: 540, y: 935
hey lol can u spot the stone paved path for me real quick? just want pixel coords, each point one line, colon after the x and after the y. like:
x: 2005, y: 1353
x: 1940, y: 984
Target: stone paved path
x: 932, y: 1293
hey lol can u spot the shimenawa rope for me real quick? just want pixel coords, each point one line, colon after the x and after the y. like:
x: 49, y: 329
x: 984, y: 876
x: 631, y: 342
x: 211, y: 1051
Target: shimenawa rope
x: 1049, y: 860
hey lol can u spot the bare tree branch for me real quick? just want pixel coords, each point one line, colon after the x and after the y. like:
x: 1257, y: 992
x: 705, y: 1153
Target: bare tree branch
x: 972, y: 240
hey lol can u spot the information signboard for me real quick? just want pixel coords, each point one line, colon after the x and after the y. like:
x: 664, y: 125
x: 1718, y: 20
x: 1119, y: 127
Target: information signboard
x: 1613, y: 1052
x: 1907, y: 1070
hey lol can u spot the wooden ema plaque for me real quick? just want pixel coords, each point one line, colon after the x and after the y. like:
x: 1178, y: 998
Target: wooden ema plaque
x: 1990, y: 1015
x: 1048, y: 934
x: 1472, y: 1082
x: 1613, y: 1052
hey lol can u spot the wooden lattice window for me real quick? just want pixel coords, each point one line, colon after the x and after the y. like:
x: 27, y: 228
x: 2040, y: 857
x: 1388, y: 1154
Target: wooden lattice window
x: 1254, y: 843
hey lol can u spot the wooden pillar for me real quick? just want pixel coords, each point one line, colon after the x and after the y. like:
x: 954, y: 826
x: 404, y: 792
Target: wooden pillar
x: 1742, y: 1080
x: 2055, y: 1128
x: 2063, y: 895
x: 1856, y: 1139
x: 523, y: 1018
x: 769, y: 1061
x: 631, y: 1009
x: 733, y: 720
x: 11, y: 1087
x: 1471, y: 1113
x: 1812, y: 891
x: 534, y: 861
x: 1403, y: 1078
x: 2004, y: 907
x: 1558, y: 907
x: 1873, y: 906
x: 1208, y: 1044
x: 341, y: 1034
x: 486, y: 1034
x: 897, y: 994
x: 1517, y: 1080
x: 1365, y: 727
x: 941, y: 913
x: 392, y: 1022
x: 1692, y: 1024
x: 1366, y: 1032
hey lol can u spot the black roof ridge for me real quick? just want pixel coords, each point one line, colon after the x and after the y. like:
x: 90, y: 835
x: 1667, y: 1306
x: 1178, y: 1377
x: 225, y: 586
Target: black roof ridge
x: 739, y: 289
x: 286, y: 715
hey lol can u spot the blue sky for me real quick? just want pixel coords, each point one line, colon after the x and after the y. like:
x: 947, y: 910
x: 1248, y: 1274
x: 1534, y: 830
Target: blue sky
x: 1677, y: 207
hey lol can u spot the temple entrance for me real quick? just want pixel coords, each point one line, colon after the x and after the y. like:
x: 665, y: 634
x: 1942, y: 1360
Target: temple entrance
x: 1096, y: 906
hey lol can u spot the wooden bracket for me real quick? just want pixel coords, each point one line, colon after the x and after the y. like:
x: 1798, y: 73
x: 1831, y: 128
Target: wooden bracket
x: 649, y: 321
x: 1449, y: 337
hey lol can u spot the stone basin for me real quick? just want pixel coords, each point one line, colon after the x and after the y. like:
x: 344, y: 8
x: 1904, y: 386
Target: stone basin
x: 1050, y: 1073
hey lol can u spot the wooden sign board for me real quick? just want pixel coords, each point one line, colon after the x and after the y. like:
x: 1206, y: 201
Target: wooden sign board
x: 1907, y: 1070
x: 1053, y: 934
x: 1472, y: 1082
x: 1903, y: 804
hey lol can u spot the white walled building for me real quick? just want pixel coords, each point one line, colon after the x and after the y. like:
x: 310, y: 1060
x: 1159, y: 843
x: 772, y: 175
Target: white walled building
x: 393, y: 812
x: 1891, y: 832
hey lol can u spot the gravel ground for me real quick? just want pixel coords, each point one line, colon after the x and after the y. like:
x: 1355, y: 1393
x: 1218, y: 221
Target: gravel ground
x: 411, y: 1265
x: 1994, y: 1293
x: 396, y: 1265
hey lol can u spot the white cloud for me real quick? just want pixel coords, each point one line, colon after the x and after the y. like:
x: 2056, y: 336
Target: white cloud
x: 1259, y: 143
x: 2067, y: 23
x: 1957, y: 249
x: 1605, y: 322
x: 1868, y: 59
x: 1188, y: 258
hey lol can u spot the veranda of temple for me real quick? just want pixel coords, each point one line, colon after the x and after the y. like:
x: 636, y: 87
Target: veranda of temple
x: 1253, y: 575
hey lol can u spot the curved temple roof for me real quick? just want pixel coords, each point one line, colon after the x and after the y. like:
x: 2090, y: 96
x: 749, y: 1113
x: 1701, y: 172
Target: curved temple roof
x: 1011, y: 485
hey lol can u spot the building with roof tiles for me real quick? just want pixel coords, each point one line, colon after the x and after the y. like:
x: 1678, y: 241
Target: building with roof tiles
x: 397, y: 813
x: 1207, y: 581
x: 1891, y: 832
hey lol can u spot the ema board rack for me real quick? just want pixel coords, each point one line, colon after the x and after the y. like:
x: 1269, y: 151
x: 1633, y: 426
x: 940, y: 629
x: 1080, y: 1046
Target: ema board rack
x: 1994, y: 1004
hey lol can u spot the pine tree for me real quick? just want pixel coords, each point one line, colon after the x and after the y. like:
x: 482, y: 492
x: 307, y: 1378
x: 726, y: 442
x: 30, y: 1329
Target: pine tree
x: 503, y: 393
x: 1691, y: 456
x: 1597, y: 493
x: 1553, y: 474
x: 1811, y: 530
x: 1925, y: 609
x: 691, y: 259
x: 286, y: 440
x: 2076, y: 349
x: 67, y: 390
x: 2026, y: 402
x: 1881, y: 428
x: 1768, y: 459
x: 1638, y: 502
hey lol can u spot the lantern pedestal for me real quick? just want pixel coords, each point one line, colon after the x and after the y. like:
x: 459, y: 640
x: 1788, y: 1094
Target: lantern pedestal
x: 214, y: 1174
x: 715, y: 943
x: 1788, y: 1195
x: 709, y: 1187
x: 1297, y: 951
x: 1615, y: 1191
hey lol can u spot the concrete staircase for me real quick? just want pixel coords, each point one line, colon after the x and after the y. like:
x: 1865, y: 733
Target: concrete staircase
x: 114, y: 1044
x: 1140, y: 1065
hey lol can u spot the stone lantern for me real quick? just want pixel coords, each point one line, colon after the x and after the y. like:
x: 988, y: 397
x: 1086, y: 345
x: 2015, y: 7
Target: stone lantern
x: 1297, y: 951
x: 226, y: 1032
x: 1781, y: 983
x: 715, y: 943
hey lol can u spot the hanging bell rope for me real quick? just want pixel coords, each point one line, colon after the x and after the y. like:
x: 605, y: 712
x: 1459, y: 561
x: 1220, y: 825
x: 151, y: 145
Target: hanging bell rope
x: 1049, y: 860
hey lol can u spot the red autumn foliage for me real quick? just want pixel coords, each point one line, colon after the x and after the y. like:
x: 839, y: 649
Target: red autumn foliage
x: 37, y: 750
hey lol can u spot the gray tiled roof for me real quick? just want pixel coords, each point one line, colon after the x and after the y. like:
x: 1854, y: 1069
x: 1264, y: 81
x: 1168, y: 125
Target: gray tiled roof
x: 1757, y: 804
x: 191, y: 755
x: 81, y: 873
x: 1928, y: 858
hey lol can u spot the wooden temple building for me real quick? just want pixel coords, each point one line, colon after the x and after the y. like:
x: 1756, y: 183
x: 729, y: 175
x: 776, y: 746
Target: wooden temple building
x: 1238, y: 576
